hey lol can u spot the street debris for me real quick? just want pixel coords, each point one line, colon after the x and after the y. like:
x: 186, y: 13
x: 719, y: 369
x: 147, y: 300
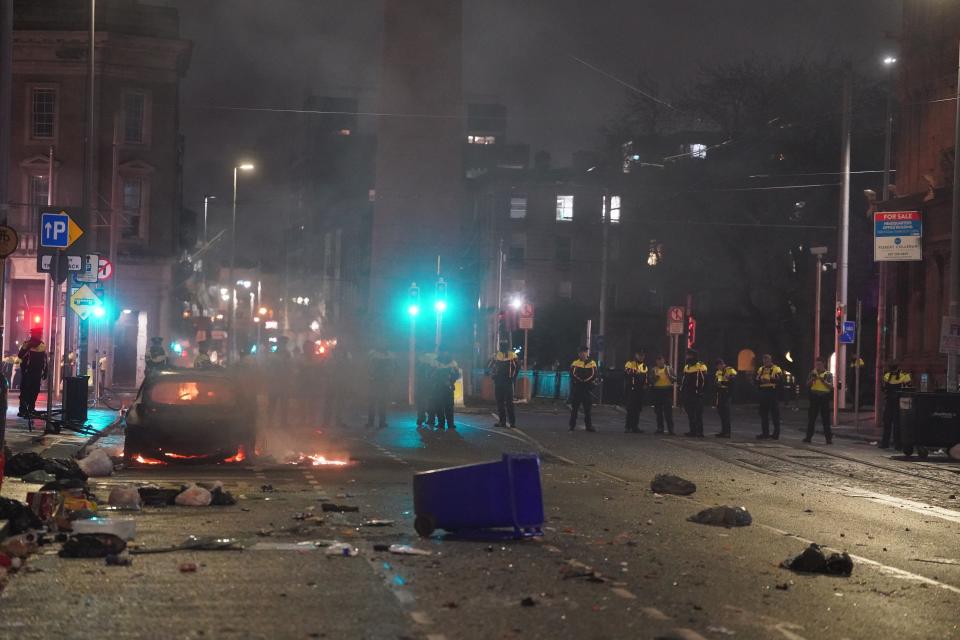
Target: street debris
x: 188, y: 567
x: 814, y: 560
x: 574, y: 569
x: 97, y: 464
x: 723, y: 516
x: 407, y: 550
x: 672, y: 485
x: 92, y: 545
x: 158, y: 497
x: 119, y: 560
x: 194, y: 496
x: 196, y: 543
x: 528, y: 602
x: 338, y: 508
x: 937, y: 560
x: 378, y: 523
x: 342, y: 549
x: 19, y: 517
x: 20, y: 464
x: 125, y: 528
x: 124, y: 497
x: 221, y: 498
x: 38, y: 477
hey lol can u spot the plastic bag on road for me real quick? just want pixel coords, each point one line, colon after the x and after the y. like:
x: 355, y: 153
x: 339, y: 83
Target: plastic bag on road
x: 124, y: 497
x: 673, y: 485
x: 343, y: 549
x: 194, y: 496
x: 92, y: 545
x: 19, y: 517
x: 20, y: 464
x: 38, y: 477
x: 723, y: 516
x: 158, y: 497
x: 407, y: 550
x: 814, y: 560
x: 97, y: 464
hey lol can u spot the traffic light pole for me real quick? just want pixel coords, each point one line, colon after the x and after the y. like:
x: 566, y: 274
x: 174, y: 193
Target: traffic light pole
x: 52, y: 350
x: 411, y: 360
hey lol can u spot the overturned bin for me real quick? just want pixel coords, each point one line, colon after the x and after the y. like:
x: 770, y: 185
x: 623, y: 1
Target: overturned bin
x: 489, y: 495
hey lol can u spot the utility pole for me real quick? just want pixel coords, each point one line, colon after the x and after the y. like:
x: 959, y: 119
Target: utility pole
x: 6, y: 78
x: 882, y: 266
x: 602, y: 329
x: 89, y: 176
x: 843, y: 248
x: 819, y: 252
x: 954, y: 309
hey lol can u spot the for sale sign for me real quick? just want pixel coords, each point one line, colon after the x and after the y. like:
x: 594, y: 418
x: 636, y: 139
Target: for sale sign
x: 897, y: 236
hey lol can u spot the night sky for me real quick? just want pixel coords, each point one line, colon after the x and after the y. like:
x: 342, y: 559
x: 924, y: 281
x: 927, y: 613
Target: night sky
x: 250, y: 53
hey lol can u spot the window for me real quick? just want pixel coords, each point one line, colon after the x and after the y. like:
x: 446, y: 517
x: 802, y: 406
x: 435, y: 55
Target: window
x: 134, y: 117
x: 564, y: 208
x: 565, y: 290
x: 37, y: 186
x: 563, y: 252
x: 518, y: 207
x: 471, y: 139
x: 698, y: 151
x: 134, y: 211
x: 518, y: 248
x: 614, y: 210
x: 43, y: 113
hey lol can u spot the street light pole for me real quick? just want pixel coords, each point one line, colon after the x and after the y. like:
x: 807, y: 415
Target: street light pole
x: 843, y: 255
x: 232, y: 322
x: 889, y: 61
x: 954, y: 309
x: 206, y: 204
x: 819, y: 252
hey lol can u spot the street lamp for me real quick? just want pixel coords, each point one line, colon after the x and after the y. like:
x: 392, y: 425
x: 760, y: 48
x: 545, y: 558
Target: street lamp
x: 819, y: 252
x: 888, y: 63
x: 246, y: 166
x: 206, y: 205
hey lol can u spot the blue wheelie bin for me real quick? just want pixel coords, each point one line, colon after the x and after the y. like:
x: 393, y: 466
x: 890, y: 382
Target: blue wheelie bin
x: 490, y: 495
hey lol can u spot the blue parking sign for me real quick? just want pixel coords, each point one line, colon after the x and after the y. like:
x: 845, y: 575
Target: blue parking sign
x: 849, y: 333
x: 55, y: 230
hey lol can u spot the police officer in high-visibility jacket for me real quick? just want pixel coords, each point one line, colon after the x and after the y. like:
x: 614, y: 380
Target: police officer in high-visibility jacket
x: 157, y: 356
x: 635, y: 381
x: 661, y: 381
x: 503, y: 368
x: 769, y: 376
x: 895, y: 380
x: 583, y: 374
x: 692, y: 384
x: 820, y: 386
x: 723, y: 377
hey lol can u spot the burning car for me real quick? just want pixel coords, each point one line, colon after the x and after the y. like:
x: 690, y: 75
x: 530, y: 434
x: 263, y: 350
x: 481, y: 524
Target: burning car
x: 188, y: 415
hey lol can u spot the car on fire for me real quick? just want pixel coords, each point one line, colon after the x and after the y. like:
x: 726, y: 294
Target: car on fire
x: 190, y: 416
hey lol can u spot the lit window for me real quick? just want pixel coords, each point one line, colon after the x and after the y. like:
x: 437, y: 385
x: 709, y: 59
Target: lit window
x: 565, y: 290
x: 613, y: 214
x: 344, y: 132
x: 133, y: 207
x: 518, y: 207
x: 564, y: 208
x: 43, y: 112
x: 134, y: 117
x: 698, y: 151
x: 471, y: 139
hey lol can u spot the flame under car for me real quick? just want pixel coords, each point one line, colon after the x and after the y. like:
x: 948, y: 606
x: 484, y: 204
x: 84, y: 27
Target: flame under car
x: 182, y: 417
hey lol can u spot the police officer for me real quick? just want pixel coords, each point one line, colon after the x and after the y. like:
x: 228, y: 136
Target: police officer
x: 423, y: 388
x: 662, y: 379
x: 157, y: 357
x: 446, y: 373
x: 635, y: 381
x: 691, y: 388
x: 202, y: 360
x: 33, y: 370
x: 820, y: 387
x: 768, y: 378
x: 583, y: 373
x: 379, y: 365
x: 503, y: 368
x: 723, y: 377
x: 895, y: 380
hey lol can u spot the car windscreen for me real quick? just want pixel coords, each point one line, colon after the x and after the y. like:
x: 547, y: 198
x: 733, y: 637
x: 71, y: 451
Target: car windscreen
x: 185, y: 392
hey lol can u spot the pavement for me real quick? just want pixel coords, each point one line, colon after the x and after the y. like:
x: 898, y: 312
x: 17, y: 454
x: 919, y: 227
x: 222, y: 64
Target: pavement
x: 615, y: 560
x: 22, y: 436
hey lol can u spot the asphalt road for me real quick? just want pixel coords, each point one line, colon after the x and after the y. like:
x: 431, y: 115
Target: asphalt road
x: 615, y: 560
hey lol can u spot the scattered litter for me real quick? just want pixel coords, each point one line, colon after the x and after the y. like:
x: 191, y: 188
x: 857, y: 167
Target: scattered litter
x: 343, y: 549
x: 338, y: 508
x: 221, y: 498
x: 783, y: 586
x: 194, y: 496
x: 19, y: 517
x: 124, y: 528
x: 97, y: 465
x: 954, y: 451
x: 267, y: 488
x: 39, y: 477
x: 407, y: 550
x: 20, y: 546
x: 124, y: 497
x: 937, y: 560
x: 20, y: 464
x: 814, y: 560
x: 723, y: 516
x: 309, y: 545
x: 673, y: 485
x: 158, y: 497
x: 721, y: 630
x: 188, y: 567
x: 92, y: 545
x: 378, y: 523
x: 195, y: 543
x: 119, y: 560
x: 528, y: 602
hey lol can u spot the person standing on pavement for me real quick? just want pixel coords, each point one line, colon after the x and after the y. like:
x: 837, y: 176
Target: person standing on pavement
x: 895, y: 380
x: 768, y: 378
x: 635, y: 381
x: 446, y: 373
x: 33, y: 367
x: 662, y: 382
x: 380, y: 364
x: 723, y: 377
x: 820, y: 387
x: 503, y: 368
x: 691, y: 388
x: 583, y: 374
x: 423, y: 385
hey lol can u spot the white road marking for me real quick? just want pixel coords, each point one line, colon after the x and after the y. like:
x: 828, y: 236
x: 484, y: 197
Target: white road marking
x: 910, y: 505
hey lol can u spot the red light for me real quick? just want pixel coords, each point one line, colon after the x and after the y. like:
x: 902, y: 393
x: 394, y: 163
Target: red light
x: 37, y: 319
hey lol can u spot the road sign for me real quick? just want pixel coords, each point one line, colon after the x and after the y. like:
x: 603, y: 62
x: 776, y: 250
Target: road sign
x: 58, y: 230
x: 675, y: 321
x: 950, y: 336
x: 848, y: 335
x: 106, y: 270
x: 897, y: 236
x: 9, y: 241
x: 525, y: 316
x: 90, y: 268
x: 82, y: 301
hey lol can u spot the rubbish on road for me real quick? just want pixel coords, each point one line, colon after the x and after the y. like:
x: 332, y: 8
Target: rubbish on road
x: 407, y: 550
x: 92, y: 545
x: 267, y: 488
x: 490, y: 495
x: 574, y: 569
x: 221, y: 498
x: 195, y: 543
x: 338, y: 508
x: 954, y: 451
x: 125, y: 528
x: 19, y: 517
x: 814, y: 560
x: 77, y: 504
x: 937, y: 560
x: 783, y: 586
x: 528, y: 602
x: 119, y: 560
x: 39, y: 477
x: 20, y: 546
x: 188, y: 567
x: 20, y: 464
x: 43, y: 503
x: 124, y: 497
x: 194, y: 496
x: 723, y: 516
x: 343, y: 549
x: 158, y: 497
x: 672, y: 485
x: 97, y: 465
x: 378, y: 523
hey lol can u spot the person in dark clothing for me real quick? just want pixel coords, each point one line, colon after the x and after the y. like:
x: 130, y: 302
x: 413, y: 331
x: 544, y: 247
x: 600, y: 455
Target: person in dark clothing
x: 423, y: 388
x: 769, y: 377
x: 691, y: 388
x: 379, y: 367
x: 157, y: 357
x: 661, y: 381
x: 503, y: 368
x: 635, y: 382
x: 33, y: 369
x: 583, y: 374
x: 723, y: 377
x: 895, y: 380
x: 445, y: 376
x: 820, y: 387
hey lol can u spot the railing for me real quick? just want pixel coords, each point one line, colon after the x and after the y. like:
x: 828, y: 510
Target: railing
x: 28, y: 242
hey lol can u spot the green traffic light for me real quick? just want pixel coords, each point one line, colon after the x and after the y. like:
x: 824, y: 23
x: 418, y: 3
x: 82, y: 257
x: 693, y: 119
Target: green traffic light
x: 440, y: 306
x: 413, y: 310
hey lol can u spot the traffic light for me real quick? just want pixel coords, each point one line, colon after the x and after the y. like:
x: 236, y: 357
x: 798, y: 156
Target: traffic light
x: 840, y: 317
x: 413, y: 300
x: 35, y: 319
x: 440, y: 303
x: 691, y: 332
